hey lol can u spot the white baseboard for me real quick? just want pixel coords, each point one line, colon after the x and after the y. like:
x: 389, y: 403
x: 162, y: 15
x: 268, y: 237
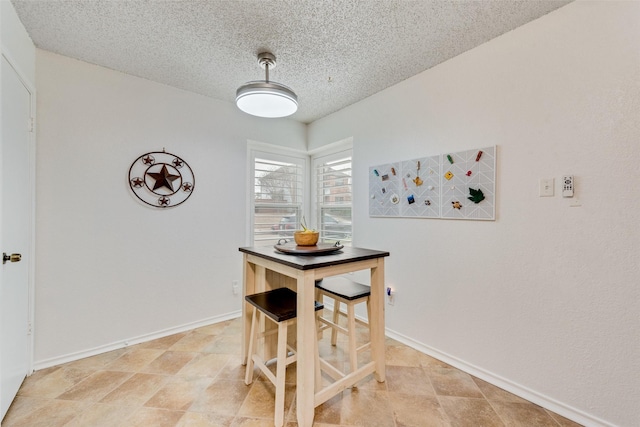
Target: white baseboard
x: 553, y: 405
x: 59, y: 360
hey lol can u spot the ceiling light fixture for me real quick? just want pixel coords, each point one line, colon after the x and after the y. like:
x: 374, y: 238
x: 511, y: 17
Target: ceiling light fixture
x: 263, y: 98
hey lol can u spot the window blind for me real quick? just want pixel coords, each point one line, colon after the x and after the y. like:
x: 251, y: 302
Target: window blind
x: 334, y: 197
x: 278, y: 197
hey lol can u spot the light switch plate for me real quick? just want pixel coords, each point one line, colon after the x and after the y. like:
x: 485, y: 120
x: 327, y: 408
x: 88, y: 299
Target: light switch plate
x: 546, y: 187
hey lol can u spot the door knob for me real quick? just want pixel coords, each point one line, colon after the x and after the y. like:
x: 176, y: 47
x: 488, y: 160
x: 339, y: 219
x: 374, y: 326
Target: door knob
x: 12, y: 257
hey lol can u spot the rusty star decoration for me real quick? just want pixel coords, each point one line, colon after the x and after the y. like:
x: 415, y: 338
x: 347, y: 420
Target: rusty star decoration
x: 148, y: 159
x: 137, y: 182
x: 164, y: 178
x: 161, y: 179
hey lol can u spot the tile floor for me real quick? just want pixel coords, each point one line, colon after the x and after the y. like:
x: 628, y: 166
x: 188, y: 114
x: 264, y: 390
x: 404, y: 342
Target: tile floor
x: 195, y: 379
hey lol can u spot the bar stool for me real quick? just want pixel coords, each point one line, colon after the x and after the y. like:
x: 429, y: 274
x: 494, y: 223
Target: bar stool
x: 343, y: 290
x: 279, y: 306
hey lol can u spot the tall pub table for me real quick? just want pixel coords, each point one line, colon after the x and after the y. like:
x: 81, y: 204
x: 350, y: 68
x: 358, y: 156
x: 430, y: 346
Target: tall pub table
x: 266, y: 268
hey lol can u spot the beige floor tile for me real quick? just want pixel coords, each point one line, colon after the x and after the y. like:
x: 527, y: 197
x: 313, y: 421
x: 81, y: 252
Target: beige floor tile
x: 54, y: 383
x: 169, y: 362
x: 402, y: 356
x: 260, y: 401
x: 233, y: 370
x: 22, y: 407
x: 195, y: 379
x: 134, y: 359
x: 102, y: 415
x: 96, y: 386
x: 36, y: 412
x: 452, y: 382
x: 366, y: 408
x: 163, y: 343
x: 136, y: 390
x: 195, y: 419
x: 492, y: 392
x: 223, y: 397
x: 412, y: 410
x: 222, y: 328
x: 205, y: 365
x: 429, y: 362
x: 178, y: 393
x: 328, y: 413
x: 193, y: 342
x: 562, y: 421
x: 466, y: 412
x: 148, y: 417
x: 251, y: 422
x: 523, y: 414
x: 41, y: 373
x: 370, y: 383
x: 98, y: 362
x: 408, y: 380
x: 223, y: 344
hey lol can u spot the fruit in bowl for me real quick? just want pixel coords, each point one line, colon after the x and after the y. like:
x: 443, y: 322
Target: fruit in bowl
x: 306, y: 237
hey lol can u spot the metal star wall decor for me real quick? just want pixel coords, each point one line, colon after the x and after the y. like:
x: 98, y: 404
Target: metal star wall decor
x: 161, y: 179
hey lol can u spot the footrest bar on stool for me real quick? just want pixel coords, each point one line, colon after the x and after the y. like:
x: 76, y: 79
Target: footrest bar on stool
x: 331, y: 370
x: 342, y: 384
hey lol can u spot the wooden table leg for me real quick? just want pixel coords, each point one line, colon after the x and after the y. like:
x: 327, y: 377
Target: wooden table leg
x: 305, y: 348
x: 248, y: 288
x: 377, y: 319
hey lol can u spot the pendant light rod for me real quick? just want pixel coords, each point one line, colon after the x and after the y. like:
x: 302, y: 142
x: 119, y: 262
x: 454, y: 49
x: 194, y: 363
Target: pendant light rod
x: 267, y: 60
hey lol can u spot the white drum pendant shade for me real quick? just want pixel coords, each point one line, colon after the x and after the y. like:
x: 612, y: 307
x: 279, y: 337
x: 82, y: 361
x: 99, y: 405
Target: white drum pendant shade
x: 266, y: 99
x: 263, y: 98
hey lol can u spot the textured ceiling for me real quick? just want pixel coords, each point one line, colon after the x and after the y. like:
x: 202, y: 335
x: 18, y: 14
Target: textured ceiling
x: 331, y: 53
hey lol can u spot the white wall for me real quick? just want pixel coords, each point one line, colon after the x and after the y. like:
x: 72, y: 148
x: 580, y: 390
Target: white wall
x: 111, y: 269
x: 545, y: 300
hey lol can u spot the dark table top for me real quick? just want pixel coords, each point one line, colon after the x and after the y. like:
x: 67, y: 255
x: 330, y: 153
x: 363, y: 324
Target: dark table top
x: 308, y: 262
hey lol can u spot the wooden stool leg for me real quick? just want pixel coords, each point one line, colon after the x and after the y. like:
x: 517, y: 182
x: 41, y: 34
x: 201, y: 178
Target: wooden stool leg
x: 369, y: 317
x: 353, y: 353
x: 336, y: 318
x: 318, y: 296
x: 253, y: 335
x: 316, y: 351
x: 281, y: 367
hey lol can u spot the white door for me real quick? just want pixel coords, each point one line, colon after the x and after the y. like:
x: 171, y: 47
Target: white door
x: 15, y: 234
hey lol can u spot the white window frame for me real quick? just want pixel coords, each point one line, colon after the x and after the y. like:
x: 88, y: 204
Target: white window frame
x: 276, y: 153
x: 325, y: 154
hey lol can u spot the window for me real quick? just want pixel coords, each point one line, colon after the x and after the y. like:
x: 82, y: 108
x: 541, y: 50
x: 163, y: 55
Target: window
x: 332, y: 177
x: 278, y: 196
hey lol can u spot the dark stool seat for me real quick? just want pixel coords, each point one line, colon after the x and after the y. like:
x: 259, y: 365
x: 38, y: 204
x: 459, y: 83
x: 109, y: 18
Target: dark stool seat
x: 278, y: 305
x: 345, y: 291
x: 343, y: 288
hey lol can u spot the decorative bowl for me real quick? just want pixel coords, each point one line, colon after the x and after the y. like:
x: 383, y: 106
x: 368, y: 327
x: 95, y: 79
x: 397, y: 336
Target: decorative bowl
x: 306, y: 238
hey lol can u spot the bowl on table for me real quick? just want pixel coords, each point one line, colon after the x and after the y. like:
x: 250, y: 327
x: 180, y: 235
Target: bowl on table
x: 306, y: 238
